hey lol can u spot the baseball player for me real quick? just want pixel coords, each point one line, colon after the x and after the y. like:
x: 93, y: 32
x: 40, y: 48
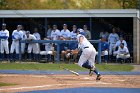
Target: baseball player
x: 87, y: 58
x: 104, y: 48
x: 119, y: 42
x: 32, y: 46
x: 36, y: 34
x: 112, y: 39
x: 4, y: 35
x: 65, y: 33
x: 122, y: 53
x: 55, y: 34
x: 49, y: 50
x: 23, y: 45
x: 17, y: 35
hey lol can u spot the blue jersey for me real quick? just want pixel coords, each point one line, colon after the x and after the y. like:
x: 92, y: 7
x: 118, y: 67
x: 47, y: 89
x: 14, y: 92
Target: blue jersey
x: 104, y: 46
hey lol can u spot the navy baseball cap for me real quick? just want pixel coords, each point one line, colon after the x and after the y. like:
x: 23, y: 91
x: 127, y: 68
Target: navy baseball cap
x: 27, y: 32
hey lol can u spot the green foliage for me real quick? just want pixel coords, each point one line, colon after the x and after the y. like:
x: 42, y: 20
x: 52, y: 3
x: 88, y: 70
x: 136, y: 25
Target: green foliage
x: 67, y: 4
x: 43, y: 66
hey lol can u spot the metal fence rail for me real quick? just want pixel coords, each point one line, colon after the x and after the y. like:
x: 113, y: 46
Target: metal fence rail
x: 58, y: 42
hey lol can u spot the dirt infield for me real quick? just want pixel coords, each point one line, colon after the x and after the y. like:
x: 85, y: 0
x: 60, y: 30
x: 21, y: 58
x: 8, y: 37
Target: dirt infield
x: 46, y: 82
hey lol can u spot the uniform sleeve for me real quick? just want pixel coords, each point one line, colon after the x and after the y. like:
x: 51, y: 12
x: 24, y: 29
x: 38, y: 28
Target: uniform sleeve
x: 39, y: 37
x: 21, y: 35
x: 109, y: 37
x: 68, y: 33
x: 125, y: 44
x: 7, y: 33
x: 117, y: 37
x: 118, y: 51
x: 33, y: 37
x: 127, y: 51
x: 13, y: 37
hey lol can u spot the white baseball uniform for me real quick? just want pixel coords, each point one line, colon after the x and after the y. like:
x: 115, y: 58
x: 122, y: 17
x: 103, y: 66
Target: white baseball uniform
x: 4, y: 42
x: 112, y: 39
x: 88, y: 52
x: 48, y: 49
x: 65, y: 33
x: 123, y: 53
x: 55, y: 34
x: 16, y: 36
x: 38, y: 37
x: 23, y: 44
x: 119, y: 42
x: 33, y: 46
x: 73, y: 35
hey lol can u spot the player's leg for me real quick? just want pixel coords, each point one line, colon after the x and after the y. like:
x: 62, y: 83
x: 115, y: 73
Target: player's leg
x: 29, y: 51
x: 23, y: 50
x: 63, y: 54
x: 6, y: 48
x: 36, y: 51
x: 106, y: 55
x: 84, y: 58
x: 91, y: 61
x: 12, y: 51
x: 2, y: 50
x: 17, y: 50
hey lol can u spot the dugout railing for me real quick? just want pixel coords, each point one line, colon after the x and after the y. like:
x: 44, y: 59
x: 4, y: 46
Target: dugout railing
x: 58, y: 42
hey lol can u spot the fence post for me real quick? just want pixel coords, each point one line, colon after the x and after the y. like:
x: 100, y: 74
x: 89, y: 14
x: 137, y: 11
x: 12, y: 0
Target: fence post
x: 58, y: 50
x: 99, y: 52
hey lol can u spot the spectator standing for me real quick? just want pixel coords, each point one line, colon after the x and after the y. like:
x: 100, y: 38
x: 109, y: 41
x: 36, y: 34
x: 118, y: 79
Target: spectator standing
x: 87, y: 32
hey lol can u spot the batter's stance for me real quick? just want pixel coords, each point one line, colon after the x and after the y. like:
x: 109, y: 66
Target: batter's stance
x: 87, y: 58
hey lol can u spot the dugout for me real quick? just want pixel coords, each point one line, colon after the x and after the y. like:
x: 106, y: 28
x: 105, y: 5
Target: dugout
x: 97, y: 20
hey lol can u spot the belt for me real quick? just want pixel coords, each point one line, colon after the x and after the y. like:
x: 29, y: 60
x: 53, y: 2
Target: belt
x: 86, y: 47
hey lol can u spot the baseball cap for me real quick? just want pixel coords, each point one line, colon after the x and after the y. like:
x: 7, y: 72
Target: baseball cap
x: 27, y: 32
x: 54, y: 25
x: 3, y: 24
x: 64, y: 24
x: 85, y: 26
x: 74, y: 26
x: 19, y: 25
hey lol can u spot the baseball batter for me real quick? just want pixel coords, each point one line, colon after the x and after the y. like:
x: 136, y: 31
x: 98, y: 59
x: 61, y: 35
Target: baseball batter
x: 4, y: 35
x: 16, y: 36
x: 87, y: 58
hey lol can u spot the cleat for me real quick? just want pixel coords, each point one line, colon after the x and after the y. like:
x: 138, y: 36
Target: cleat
x: 90, y: 72
x: 98, y: 77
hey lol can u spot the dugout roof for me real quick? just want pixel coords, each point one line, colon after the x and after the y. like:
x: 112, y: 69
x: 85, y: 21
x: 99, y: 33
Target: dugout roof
x: 69, y: 13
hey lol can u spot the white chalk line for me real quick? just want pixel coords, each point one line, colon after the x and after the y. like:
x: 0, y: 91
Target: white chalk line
x: 45, y: 86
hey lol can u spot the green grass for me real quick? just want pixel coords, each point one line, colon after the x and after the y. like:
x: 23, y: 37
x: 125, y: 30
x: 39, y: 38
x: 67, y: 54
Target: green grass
x: 6, y: 84
x: 44, y: 66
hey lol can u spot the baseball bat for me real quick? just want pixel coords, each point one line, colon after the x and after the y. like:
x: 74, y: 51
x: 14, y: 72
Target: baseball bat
x: 73, y: 72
